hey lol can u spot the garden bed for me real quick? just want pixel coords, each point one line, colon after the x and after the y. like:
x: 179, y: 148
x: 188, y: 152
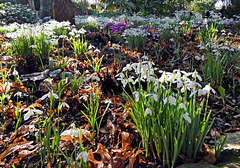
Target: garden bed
x: 126, y: 91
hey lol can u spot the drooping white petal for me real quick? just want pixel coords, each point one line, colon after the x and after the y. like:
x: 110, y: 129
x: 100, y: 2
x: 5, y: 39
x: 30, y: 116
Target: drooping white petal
x: 182, y: 106
x: 172, y: 100
x: 37, y: 111
x: 83, y: 155
x: 64, y: 133
x: 27, y: 115
x: 136, y: 95
x: 187, y: 118
x: 44, y: 96
x: 148, y: 111
x: 194, y: 92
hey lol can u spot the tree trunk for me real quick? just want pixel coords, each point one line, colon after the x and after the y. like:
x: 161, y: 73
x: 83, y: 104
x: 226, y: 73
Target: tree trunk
x: 46, y: 8
x: 31, y: 4
x: 63, y: 11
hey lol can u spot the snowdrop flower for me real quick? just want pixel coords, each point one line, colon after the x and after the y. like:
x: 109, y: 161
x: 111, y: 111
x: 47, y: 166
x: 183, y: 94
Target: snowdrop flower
x: 91, y: 47
x: 148, y: 111
x: 82, y: 31
x: 121, y: 76
x: 63, y: 36
x: 107, y: 101
x: 33, y: 46
x: 15, y: 72
x: 124, y: 82
x: 97, y: 51
x: 154, y: 96
x: 182, y: 106
x: 179, y: 84
x: 209, y: 88
x: 171, y: 100
x: 127, y: 67
x: 205, y: 90
x: 83, y: 155
x: 74, y: 133
x: 49, y: 95
x: 62, y: 105
x: 130, y: 79
x: 199, y: 58
x: 30, y: 111
x: 84, y: 97
x: 187, y: 118
x: 19, y: 94
x: 145, y: 57
x: 163, y: 78
x: 136, y: 95
x: 93, y: 77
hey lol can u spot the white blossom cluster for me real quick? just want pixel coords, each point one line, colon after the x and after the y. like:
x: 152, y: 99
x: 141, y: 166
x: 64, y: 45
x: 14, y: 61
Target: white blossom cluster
x: 134, y: 32
x: 145, y: 72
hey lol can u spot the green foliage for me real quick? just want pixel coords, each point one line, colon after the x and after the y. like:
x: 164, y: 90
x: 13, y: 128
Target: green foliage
x: 121, y: 5
x: 91, y: 27
x: 79, y: 46
x: 18, y: 13
x: 166, y: 35
x: 163, y: 117
x: 136, y: 41
x: 214, y: 67
x: 222, y: 93
x: 76, y: 83
x: 92, y: 108
x: 200, y: 6
x: 208, y: 34
x: 38, y: 47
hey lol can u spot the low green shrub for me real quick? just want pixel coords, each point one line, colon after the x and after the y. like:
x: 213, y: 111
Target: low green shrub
x: 17, y: 13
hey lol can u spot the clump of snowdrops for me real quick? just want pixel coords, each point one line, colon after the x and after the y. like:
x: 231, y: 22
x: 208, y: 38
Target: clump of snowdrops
x: 167, y: 118
x: 136, y: 37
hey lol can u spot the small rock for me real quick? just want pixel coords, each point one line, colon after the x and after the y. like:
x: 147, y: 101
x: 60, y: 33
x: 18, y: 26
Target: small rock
x: 197, y: 165
x: 55, y: 73
x: 66, y: 74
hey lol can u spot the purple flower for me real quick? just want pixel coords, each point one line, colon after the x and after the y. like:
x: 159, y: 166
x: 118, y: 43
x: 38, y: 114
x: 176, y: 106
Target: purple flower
x: 231, y: 22
x: 109, y: 24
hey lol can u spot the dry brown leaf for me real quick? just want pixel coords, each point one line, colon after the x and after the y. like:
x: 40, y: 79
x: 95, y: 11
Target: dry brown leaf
x: 208, y: 154
x: 214, y: 132
x: 236, y: 77
x: 103, y: 152
x: 16, y: 147
x: 19, y: 132
x: 67, y: 138
x: 19, y: 139
x: 133, y: 158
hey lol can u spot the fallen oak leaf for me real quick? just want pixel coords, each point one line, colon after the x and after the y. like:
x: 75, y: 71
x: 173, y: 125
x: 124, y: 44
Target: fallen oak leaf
x: 126, y: 150
x: 103, y: 152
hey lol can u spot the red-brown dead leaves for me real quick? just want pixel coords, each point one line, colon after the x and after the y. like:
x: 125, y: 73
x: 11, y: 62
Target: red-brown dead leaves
x: 116, y: 158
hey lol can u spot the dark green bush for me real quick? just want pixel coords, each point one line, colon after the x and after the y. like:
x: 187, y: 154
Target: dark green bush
x: 19, y: 13
x: 12, y: 1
